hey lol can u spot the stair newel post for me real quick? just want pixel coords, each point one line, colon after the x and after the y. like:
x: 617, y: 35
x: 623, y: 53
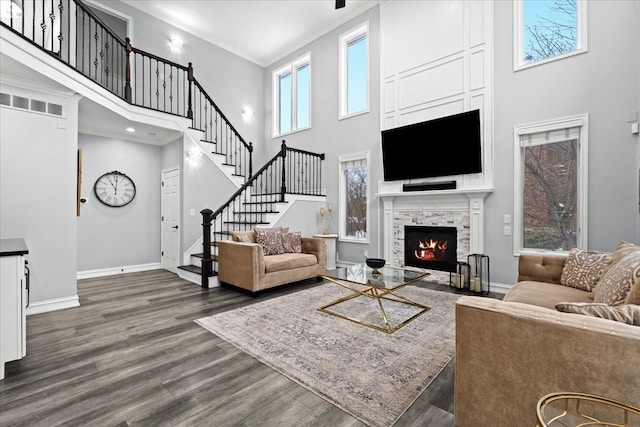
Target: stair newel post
x: 250, y: 159
x: 206, y: 246
x: 283, y: 187
x: 127, y: 85
x: 190, y: 78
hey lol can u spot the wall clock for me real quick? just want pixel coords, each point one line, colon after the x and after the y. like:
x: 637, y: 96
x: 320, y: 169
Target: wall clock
x: 115, y: 189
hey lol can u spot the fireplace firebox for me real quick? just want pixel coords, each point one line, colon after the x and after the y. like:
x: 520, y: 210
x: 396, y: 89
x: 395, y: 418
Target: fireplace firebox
x: 431, y: 248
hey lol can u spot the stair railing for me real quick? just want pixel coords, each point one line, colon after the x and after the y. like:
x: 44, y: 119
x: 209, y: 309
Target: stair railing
x: 290, y: 171
x: 72, y: 33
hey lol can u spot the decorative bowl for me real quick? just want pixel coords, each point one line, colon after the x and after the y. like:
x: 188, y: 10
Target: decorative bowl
x: 375, y: 263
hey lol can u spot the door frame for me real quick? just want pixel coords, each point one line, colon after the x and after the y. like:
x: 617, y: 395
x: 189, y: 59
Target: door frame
x: 173, y: 269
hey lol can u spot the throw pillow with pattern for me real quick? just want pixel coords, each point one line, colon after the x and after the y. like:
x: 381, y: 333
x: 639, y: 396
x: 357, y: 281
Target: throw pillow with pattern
x: 618, y: 280
x: 583, y: 268
x: 627, y: 313
x: 292, y: 242
x: 270, y: 239
x: 243, y: 238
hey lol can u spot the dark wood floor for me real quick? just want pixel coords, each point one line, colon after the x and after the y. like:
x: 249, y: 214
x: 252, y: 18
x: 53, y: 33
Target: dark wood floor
x: 132, y: 355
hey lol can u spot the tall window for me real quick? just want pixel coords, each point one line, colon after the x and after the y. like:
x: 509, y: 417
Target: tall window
x: 354, y: 71
x: 547, y: 30
x: 354, y: 197
x: 551, y: 185
x: 292, y: 97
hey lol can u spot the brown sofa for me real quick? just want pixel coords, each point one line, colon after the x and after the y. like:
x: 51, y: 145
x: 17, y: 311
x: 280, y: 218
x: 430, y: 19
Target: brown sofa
x: 512, y: 352
x: 244, y: 265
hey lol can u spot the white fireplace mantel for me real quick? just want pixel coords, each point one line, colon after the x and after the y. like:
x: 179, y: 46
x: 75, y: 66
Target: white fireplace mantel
x: 464, y: 199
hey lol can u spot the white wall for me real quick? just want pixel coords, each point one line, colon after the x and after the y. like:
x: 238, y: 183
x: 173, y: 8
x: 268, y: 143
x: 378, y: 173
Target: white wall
x: 603, y: 83
x: 38, y: 192
x: 126, y: 236
x: 328, y: 134
x: 437, y: 61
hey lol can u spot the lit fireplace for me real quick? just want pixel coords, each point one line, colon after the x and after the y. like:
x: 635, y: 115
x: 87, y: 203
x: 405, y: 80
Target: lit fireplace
x: 431, y: 248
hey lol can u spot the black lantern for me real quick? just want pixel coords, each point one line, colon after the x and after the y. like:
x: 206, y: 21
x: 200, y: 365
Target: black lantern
x: 479, y: 273
x: 460, y: 280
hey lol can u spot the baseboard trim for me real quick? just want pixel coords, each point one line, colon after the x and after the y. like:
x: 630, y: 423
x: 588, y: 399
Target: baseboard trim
x: 500, y: 288
x: 52, y: 305
x: 89, y: 274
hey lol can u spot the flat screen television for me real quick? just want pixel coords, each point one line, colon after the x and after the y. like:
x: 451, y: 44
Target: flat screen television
x: 441, y: 147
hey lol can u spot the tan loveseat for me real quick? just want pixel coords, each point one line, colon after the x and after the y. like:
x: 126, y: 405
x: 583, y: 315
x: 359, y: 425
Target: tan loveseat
x: 512, y: 352
x: 244, y: 265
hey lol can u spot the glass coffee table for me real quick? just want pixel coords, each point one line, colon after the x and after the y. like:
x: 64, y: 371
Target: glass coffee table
x: 379, y: 288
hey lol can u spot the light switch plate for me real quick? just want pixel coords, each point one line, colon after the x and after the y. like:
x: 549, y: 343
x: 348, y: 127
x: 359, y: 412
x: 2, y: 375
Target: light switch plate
x: 507, y: 230
x: 507, y: 219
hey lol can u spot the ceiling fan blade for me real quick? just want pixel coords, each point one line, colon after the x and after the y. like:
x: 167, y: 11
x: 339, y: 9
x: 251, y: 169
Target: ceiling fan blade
x: 340, y: 4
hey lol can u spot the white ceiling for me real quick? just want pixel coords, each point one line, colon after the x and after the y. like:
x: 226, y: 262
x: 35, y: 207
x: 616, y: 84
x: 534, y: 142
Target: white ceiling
x: 261, y: 31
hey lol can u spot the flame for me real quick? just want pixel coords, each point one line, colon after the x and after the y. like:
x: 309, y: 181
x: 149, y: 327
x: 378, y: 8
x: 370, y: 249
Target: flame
x: 430, y: 250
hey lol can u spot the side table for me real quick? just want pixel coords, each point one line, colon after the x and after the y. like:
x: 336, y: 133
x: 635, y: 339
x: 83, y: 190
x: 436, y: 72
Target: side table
x: 330, y: 240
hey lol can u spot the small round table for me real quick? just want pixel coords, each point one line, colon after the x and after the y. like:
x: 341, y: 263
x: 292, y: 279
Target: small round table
x: 583, y: 409
x: 330, y: 240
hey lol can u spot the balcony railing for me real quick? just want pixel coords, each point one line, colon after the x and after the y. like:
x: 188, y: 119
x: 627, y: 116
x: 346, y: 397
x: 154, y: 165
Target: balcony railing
x: 72, y: 33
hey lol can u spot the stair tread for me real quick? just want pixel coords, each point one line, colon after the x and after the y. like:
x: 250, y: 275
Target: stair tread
x: 247, y: 222
x: 201, y: 130
x: 201, y: 255
x: 208, y: 142
x: 254, y: 212
x: 265, y: 202
x: 195, y: 269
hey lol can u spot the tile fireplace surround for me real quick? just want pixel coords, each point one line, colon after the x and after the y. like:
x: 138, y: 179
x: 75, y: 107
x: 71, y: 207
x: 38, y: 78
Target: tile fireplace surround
x: 461, y: 208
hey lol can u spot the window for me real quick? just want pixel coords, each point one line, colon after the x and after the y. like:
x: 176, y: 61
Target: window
x: 551, y: 185
x: 354, y: 197
x: 292, y: 97
x: 354, y: 71
x: 547, y: 30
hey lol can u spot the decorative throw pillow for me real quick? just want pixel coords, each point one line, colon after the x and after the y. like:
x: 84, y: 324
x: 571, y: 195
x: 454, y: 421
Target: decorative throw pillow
x: 618, y: 280
x: 629, y: 313
x: 243, y: 238
x: 622, y: 250
x: 292, y: 242
x: 270, y: 239
x: 583, y: 268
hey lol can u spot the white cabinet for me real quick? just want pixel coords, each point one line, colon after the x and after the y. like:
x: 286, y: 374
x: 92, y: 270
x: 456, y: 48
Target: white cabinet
x: 13, y: 301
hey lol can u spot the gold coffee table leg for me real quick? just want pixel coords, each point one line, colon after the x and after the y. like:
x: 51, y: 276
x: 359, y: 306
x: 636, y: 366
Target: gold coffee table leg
x: 377, y: 294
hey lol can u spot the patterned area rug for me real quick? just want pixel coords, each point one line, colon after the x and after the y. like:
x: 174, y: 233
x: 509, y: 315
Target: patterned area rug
x: 371, y: 375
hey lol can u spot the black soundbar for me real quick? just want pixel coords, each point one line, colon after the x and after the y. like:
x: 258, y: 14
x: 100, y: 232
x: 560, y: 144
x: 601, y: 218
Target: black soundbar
x: 430, y: 186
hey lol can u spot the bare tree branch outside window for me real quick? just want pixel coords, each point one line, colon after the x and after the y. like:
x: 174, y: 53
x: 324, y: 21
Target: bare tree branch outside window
x: 356, y: 206
x: 550, y: 196
x: 550, y: 28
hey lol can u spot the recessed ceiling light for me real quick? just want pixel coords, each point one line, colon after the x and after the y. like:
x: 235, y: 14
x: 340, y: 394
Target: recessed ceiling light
x: 130, y: 129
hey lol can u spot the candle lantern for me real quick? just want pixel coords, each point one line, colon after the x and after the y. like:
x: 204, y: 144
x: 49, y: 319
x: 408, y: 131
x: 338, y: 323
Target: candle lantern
x: 460, y: 279
x: 479, y: 281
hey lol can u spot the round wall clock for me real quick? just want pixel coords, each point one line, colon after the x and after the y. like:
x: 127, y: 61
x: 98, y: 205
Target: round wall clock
x: 115, y: 189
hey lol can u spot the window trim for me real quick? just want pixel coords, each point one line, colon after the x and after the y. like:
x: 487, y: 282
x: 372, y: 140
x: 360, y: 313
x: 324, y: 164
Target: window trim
x: 580, y: 121
x: 292, y: 68
x: 343, y: 42
x: 518, y: 36
x: 342, y: 205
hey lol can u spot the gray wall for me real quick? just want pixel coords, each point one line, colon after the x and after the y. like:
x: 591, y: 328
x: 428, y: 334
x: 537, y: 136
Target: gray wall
x: 126, y: 236
x: 204, y: 186
x: 328, y: 134
x: 38, y: 193
x: 603, y: 83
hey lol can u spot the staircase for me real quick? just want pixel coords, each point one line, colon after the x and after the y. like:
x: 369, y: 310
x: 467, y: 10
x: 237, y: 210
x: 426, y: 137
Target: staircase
x: 72, y: 34
x: 258, y: 202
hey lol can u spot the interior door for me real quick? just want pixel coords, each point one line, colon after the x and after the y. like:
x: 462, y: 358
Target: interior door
x: 170, y: 219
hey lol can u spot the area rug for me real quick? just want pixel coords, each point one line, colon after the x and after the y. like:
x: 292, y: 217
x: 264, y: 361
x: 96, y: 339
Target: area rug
x: 371, y: 375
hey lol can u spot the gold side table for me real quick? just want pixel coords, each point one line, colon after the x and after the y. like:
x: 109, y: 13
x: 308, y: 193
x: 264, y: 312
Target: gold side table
x: 581, y: 410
